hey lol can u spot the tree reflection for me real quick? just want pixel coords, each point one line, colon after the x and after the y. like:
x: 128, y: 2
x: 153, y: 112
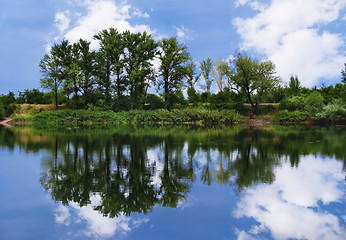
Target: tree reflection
x: 134, y: 172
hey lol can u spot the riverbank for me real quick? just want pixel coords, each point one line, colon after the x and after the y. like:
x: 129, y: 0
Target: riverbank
x: 38, y: 115
x: 159, y: 116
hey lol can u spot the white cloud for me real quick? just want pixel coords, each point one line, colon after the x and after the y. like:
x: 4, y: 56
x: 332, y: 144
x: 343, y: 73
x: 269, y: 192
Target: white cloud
x: 62, y: 215
x: 98, y: 226
x: 138, y: 13
x: 184, y: 34
x: 97, y: 15
x: 255, y: 5
x: 289, y: 32
x: 62, y: 20
x: 286, y: 206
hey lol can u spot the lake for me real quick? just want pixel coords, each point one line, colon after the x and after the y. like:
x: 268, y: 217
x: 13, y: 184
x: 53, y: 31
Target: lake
x: 127, y: 182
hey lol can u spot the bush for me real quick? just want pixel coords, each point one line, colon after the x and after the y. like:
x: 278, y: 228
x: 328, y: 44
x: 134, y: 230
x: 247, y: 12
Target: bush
x: 285, y: 115
x: 292, y: 103
x: 2, y: 112
x: 153, y: 102
x: 222, y: 100
x: 313, y: 104
x: 335, y: 111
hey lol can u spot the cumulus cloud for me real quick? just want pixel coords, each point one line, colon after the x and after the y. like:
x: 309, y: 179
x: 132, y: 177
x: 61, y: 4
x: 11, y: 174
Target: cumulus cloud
x: 286, y: 207
x: 89, y: 17
x: 290, y: 32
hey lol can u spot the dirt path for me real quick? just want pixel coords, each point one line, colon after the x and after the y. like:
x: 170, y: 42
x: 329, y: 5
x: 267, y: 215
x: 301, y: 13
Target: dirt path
x: 7, y: 122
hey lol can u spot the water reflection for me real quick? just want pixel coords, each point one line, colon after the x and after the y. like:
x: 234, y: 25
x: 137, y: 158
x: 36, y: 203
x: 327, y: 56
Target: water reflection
x: 287, y: 177
x: 294, y: 205
x: 98, y: 225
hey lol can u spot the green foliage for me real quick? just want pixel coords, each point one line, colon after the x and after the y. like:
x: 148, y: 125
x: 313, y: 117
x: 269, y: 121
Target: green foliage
x: 287, y: 116
x: 292, y: 103
x: 82, y: 117
x: 220, y: 72
x: 205, y: 97
x: 294, y: 86
x: 222, y: 100
x: 7, y: 104
x: 193, y: 95
x: 253, y: 79
x: 206, y: 68
x: 173, y: 68
x: 335, y: 111
x: 153, y: 102
x: 2, y: 112
x: 33, y: 96
x: 313, y: 104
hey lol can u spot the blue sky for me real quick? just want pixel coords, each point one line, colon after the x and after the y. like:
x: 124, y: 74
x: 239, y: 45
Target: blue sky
x: 302, y: 37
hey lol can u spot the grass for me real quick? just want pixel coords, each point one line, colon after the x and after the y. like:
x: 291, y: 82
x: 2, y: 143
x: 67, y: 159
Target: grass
x: 160, y: 116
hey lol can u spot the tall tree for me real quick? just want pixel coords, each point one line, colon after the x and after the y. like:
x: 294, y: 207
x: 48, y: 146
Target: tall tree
x: 51, y: 69
x: 294, y: 86
x: 253, y: 79
x: 109, y: 62
x: 173, y: 67
x: 206, y: 68
x: 67, y: 56
x: 192, y: 76
x: 140, y: 50
x: 220, y: 71
x: 191, y: 79
x: 87, y: 66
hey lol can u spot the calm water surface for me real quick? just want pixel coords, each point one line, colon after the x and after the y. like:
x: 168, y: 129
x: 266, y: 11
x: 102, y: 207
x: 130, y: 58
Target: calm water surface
x: 173, y: 183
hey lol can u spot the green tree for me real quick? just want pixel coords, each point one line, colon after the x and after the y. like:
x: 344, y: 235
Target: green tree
x: 51, y: 68
x: 253, y: 79
x: 140, y: 50
x: 109, y: 62
x: 294, y: 86
x: 67, y: 56
x: 173, y: 68
x: 87, y: 67
x: 206, y: 67
x: 220, y: 71
x: 191, y: 79
x: 314, y: 103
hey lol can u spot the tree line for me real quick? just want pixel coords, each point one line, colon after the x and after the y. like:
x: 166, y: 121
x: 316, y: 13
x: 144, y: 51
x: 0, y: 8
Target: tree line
x: 119, y: 74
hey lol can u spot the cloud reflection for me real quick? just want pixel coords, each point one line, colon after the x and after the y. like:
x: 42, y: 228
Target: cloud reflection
x: 291, y: 207
x: 97, y: 225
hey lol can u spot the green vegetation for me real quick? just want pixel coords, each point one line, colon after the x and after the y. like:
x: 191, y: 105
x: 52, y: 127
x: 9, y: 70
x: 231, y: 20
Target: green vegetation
x: 120, y: 163
x: 117, y: 78
x: 160, y: 116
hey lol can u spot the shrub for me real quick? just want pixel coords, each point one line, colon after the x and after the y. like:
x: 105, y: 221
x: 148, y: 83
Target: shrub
x: 285, y: 115
x: 153, y: 102
x: 335, y: 111
x: 2, y: 112
x: 313, y: 104
x: 292, y: 103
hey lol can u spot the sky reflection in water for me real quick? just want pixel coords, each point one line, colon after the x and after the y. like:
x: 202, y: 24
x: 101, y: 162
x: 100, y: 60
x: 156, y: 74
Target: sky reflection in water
x: 222, y: 184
